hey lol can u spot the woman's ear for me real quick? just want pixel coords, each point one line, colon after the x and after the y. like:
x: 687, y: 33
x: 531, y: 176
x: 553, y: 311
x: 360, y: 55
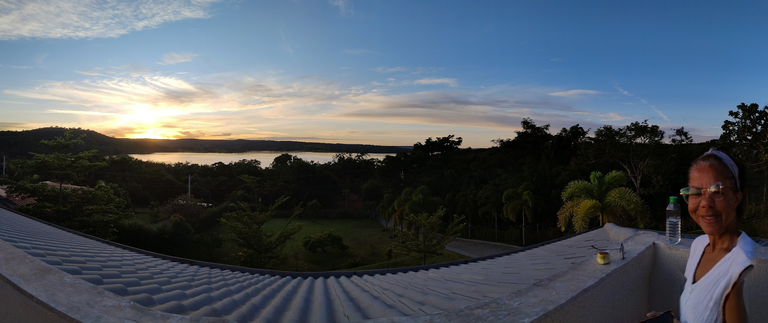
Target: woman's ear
x: 738, y: 196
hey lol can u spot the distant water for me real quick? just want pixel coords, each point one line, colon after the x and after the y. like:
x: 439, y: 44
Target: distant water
x: 265, y: 157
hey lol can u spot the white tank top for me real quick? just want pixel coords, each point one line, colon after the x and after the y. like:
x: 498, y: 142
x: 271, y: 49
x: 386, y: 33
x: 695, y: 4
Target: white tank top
x: 703, y: 301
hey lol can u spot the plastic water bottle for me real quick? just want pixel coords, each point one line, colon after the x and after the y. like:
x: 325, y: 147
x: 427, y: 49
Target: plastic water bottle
x: 673, y: 221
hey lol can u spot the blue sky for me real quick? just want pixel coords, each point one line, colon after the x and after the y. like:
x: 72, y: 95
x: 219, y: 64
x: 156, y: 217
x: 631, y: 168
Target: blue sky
x: 376, y: 71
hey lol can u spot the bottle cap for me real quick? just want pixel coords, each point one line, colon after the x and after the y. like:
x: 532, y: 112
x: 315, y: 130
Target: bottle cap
x: 673, y: 200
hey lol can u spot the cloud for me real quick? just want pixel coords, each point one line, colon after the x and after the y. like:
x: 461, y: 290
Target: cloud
x: 133, y: 104
x: 159, y: 90
x: 622, y: 91
x: 422, y: 70
x: 358, y: 52
x: 502, y: 108
x: 345, y: 6
x: 17, y: 66
x: 390, y: 69
x: 435, y: 81
x: 175, y: 58
x: 17, y: 126
x: 74, y: 19
x: 574, y: 93
x: 137, y: 102
x: 653, y: 107
x: 89, y: 73
x: 88, y: 113
x: 556, y: 60
x: 285, y: 42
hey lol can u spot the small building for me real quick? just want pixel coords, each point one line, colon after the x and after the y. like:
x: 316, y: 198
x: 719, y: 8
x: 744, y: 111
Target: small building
x: 11, y: 200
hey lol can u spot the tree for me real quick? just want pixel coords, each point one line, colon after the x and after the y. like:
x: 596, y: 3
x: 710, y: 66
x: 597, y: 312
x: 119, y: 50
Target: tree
x: 401, y: 204
x: 93, y: 210
x: 439, y: 145
x: 490, y: 202
x: 466, y: 206
x: 373, y: 192
x: 346, y: 193
x: 632, y: 146
x: 747, y: 136
x: 187, y: 207
x: 680, y: 136
x: 60, y: 166
x: 422, y: 238
x: 422, y: 201
x: 518, y: 204
x: 256, y: 245
x: 603, y: 197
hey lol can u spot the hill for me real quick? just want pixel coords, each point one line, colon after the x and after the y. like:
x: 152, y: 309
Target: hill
x: 21, y: 143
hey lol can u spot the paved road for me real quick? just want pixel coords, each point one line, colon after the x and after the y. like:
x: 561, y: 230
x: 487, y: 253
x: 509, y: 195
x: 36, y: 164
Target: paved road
x: 478, y: 248
x: 475, y: 248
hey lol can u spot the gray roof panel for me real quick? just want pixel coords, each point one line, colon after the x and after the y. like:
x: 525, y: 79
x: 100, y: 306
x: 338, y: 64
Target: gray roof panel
x: 197, y: 289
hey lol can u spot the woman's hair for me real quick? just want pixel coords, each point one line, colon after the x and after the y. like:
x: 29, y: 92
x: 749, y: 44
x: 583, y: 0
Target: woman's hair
x: 725, y: 165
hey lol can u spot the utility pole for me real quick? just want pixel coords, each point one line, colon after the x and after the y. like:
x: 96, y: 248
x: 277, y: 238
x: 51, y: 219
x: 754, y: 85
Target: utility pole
x: 189, y: 187
x: 3, y: 165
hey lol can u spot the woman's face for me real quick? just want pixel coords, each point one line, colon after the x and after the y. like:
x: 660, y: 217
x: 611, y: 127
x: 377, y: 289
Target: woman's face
x: 714, y: 217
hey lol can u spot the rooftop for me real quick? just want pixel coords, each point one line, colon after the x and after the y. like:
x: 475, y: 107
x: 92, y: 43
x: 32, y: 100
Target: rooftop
x: 80, y: 278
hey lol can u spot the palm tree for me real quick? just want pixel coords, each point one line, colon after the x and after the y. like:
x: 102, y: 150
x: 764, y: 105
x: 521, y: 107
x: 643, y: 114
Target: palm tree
x: 519, y: 202
x: 400, y: 205
x: 602, y: 197
x: 387, y: 208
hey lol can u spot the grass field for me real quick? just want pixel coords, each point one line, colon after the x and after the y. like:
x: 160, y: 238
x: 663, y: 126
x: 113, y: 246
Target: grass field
x: 367, y: 243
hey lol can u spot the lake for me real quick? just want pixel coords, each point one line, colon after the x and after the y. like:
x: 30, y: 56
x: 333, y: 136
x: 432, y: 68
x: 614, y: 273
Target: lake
x: 265, y: 157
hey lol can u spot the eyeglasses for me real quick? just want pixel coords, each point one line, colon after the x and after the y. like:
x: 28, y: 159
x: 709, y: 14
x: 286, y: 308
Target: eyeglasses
x: 693, y: 194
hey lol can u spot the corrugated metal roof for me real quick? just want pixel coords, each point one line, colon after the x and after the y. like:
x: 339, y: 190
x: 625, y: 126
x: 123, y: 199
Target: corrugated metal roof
x: 252, y: 295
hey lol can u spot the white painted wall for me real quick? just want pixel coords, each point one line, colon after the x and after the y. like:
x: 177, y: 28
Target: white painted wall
x: 652, y: 281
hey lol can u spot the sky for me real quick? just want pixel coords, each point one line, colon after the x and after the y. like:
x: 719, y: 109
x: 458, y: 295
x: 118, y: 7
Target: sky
x: 385, y: 72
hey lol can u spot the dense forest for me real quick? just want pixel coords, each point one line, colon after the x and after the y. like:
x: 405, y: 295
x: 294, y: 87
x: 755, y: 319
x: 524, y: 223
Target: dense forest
x: 512, y: 192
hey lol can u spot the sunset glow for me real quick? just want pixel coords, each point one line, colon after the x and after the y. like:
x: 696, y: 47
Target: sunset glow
x: 148, y: 135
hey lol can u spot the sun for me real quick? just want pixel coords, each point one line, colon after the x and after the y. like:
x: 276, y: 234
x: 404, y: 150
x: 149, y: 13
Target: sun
x: 147, y: 122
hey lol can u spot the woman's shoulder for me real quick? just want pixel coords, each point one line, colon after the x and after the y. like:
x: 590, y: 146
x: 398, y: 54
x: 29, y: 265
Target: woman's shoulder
x: 700, y: 242
x: 746, y: 246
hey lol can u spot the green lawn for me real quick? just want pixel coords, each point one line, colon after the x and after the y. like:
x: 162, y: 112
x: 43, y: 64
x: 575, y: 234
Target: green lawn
x: 367, y: 242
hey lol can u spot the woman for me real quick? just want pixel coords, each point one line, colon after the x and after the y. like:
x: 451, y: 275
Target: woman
x: 721, y: 257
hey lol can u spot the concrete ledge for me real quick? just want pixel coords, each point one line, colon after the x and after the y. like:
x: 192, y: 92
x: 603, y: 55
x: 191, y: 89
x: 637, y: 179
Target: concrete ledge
x: 32, y: 291
x: 567, y: 296
x: 617, y: 233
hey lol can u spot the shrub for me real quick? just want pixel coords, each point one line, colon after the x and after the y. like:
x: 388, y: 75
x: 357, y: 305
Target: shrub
x: 321, y: 241
x: 136, y: 234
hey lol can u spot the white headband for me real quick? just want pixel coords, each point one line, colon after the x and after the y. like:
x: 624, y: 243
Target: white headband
x: 728, y: 162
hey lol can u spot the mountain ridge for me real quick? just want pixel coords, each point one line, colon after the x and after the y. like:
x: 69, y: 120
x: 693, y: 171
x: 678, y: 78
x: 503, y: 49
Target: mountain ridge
x: 21, y: 143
